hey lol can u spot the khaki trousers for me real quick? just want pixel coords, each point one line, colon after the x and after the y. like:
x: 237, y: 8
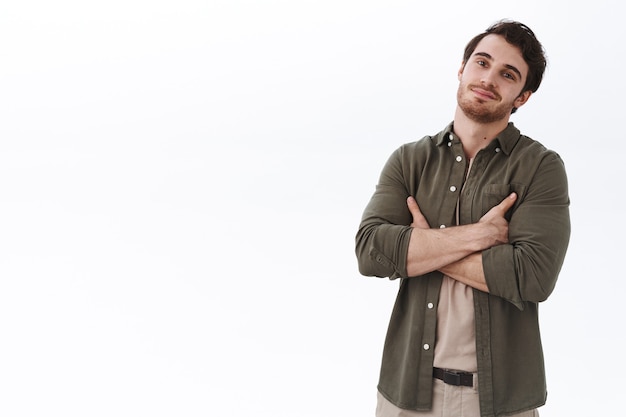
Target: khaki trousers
x: 448, y: 401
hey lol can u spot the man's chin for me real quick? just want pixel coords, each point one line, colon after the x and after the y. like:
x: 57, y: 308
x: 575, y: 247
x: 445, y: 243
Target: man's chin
x: 478, y: 112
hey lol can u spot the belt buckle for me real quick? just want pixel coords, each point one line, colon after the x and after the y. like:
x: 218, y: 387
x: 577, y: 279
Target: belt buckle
x: 452, y: 377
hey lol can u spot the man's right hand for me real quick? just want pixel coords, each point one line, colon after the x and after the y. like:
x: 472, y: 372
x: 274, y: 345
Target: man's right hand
x: 495, y: 218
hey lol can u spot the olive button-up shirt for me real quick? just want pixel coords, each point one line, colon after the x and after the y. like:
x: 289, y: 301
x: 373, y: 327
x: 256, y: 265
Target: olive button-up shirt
x: 519, y: 275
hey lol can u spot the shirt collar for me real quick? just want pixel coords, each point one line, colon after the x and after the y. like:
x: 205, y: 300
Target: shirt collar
x: 507, y: 139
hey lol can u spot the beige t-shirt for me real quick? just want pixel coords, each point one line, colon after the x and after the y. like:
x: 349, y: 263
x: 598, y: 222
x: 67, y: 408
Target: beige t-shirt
x: 455, y: 346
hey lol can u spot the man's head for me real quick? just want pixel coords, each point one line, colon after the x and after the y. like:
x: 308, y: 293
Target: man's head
x: 501, y: 68
x: 519, y: 35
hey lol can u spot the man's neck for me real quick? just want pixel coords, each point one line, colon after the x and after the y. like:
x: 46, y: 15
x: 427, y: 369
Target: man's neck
x: 476, y: 136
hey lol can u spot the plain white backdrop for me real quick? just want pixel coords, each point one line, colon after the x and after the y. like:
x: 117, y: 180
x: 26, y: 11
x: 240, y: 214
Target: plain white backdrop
x: 181, y: 182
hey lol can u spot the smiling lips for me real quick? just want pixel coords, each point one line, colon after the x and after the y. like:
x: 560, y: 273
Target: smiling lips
x: 485, y: 94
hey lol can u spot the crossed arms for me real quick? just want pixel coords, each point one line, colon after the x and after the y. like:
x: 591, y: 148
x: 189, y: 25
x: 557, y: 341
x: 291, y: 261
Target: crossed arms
x: 518, y: 260
x: 456, y: 251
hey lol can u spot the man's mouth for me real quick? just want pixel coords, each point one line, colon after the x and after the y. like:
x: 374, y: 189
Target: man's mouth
x: 485, y: 94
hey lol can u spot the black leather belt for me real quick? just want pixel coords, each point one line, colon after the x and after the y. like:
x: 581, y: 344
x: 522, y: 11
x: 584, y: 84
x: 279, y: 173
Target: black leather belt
x: 465, y: 379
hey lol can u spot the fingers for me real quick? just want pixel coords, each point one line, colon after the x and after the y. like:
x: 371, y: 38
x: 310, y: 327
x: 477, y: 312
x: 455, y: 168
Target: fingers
x: 413, y: 207
x: 507, y: 203
x: 419, y: 220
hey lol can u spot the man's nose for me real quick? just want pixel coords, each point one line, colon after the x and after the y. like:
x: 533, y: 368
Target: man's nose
x: 489, y: 78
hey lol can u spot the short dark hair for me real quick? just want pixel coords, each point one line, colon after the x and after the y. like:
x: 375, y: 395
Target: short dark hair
x: 519, y: 35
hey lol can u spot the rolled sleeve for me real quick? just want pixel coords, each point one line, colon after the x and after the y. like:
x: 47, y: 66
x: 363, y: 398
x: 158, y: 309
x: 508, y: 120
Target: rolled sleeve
x: 526, y: 270
x: 382, y: 240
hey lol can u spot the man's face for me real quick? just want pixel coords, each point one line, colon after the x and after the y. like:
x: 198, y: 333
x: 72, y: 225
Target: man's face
x: 491, y: 81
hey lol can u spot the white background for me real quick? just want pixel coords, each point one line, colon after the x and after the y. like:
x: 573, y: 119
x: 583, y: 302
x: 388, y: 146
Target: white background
x: 181, y: 182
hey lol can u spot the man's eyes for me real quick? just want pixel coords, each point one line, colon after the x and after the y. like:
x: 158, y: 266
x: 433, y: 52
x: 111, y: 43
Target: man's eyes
x: 506, y: 74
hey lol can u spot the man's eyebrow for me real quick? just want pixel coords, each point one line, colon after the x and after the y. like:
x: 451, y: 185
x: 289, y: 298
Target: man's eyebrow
x: 485, y: 54
x: 511, y: 67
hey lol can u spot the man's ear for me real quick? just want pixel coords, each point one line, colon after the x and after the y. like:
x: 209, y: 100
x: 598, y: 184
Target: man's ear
x: 522, y: 99
x: 460, y: 73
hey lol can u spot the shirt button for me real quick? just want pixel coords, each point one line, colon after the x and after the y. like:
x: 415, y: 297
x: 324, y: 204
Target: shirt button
x: 449, y: 143
x: 497, y: 150
x: 450, y: 136
x: 452, y: 188
x: 459, y: 158
x: 443, y: 226
x: 430, y: 306
x: 426, y: 346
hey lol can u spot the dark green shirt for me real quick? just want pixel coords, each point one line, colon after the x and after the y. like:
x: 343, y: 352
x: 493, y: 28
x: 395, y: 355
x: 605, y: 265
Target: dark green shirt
x: 519, y: 275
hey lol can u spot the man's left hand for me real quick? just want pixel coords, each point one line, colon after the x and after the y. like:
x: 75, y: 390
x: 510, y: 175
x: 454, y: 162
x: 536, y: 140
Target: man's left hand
x: 419, y: 221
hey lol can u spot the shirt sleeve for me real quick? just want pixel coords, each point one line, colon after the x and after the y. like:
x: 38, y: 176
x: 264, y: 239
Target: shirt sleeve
x: 383, y: 237
x: 526, y: 270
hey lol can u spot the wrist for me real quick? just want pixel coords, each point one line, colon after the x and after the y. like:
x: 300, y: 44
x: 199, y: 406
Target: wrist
x: 482, y: 236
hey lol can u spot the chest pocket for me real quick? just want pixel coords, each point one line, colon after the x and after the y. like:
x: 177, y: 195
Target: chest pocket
x: 493, y: 195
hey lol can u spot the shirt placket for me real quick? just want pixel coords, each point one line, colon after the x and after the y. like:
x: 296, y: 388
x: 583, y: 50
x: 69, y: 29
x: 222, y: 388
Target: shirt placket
x: 456, y: 180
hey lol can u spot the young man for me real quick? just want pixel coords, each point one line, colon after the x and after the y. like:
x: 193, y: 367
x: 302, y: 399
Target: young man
x: 475, y: 222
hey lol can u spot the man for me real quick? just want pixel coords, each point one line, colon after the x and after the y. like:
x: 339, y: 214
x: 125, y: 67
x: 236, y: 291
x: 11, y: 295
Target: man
x: 475, y: 220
